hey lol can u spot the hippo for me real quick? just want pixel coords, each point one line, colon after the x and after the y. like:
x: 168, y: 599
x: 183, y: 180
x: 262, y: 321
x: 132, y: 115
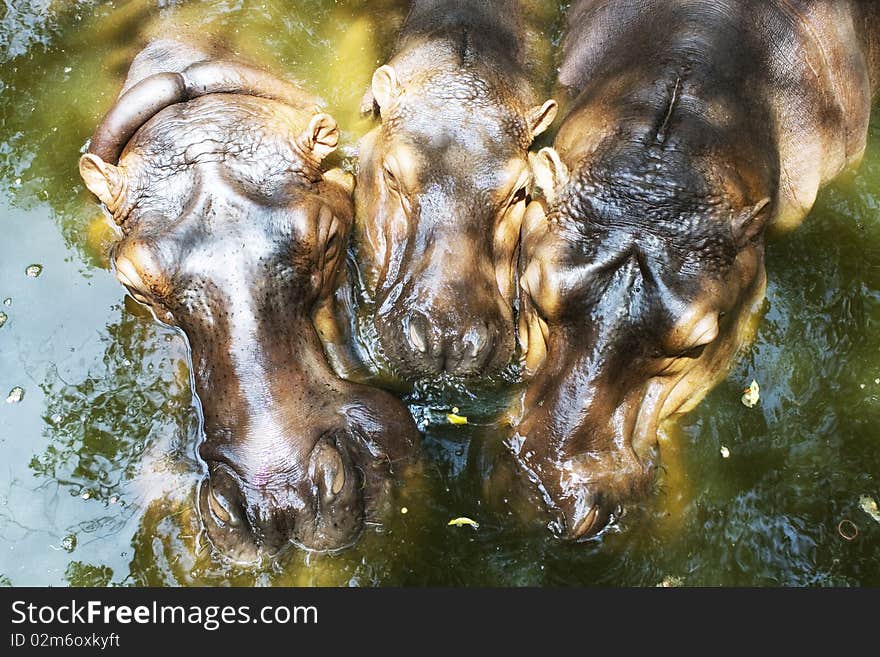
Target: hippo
x: 234, y: 234
x: 692, y: 129
x: 443, y: 181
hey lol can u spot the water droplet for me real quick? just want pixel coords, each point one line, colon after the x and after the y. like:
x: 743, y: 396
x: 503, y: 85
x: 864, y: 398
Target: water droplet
x: 15, y: 395
x: 68, y: 543
x: 34, y: 270
x: 3, y: 318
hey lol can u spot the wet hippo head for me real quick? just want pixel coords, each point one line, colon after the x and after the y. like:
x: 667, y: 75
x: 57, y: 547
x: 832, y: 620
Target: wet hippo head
x: 441, y: 193
x: 638, y: 291
x: 233, y: 234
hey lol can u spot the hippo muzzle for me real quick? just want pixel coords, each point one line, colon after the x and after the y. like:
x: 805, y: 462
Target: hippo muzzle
x: 249, y: 516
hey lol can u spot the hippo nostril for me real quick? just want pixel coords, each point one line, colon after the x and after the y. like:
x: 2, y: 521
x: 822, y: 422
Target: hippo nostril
x: 586, y: 526
x: 416, y: 335
x: 479, y: 341
x: 328, y: 471
x: 338, y: 480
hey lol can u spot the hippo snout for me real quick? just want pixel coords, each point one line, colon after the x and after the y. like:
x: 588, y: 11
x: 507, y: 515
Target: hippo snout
x: 456, y: 334
x: 317, y: 506
x: 435, y: 347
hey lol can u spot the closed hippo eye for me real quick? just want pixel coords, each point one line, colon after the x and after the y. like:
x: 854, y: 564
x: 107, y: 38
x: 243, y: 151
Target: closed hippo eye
x: 519, y: 196
x: 693, y: 334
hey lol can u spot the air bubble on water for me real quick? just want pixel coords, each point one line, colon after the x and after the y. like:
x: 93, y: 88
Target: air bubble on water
x: 3, y: 318
x: 56, y: 419
x: 15, y: 395
x: 86, y: 495
x: 68, y: 543
x: 113, y: 499
x: 34, y: 270
x: 7, y: 301
x: 68, y: 69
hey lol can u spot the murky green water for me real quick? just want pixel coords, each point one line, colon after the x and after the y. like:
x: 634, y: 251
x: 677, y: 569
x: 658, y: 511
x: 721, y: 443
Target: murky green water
x: 97, y: 461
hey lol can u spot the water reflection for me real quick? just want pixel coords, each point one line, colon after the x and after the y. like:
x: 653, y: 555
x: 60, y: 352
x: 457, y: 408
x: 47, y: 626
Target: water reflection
x: 100, y: 428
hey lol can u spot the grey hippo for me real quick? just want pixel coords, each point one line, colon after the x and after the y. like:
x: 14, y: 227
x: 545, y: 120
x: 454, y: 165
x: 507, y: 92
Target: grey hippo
x: 692, y: 128
x: 234, y: 233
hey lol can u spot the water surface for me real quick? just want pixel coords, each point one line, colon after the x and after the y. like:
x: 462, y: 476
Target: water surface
x: 98, y: 461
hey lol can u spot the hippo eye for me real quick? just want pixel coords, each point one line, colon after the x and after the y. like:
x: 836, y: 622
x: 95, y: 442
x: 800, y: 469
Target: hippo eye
x: 391, y: 179
x: 693, y: 352
x: 519, y: 196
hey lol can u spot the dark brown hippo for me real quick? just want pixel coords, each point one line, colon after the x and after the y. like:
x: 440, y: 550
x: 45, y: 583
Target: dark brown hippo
x: 443, y: 182
x: 233, y: 233
x: 693, y: 127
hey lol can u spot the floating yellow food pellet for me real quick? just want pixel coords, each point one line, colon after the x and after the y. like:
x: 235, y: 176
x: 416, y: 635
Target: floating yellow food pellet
x: 455, y: 418
x: 458, y: 522
x: 869, y: 505
x: 752, y: 395
x: 725, y: 453
x: 403, y: 510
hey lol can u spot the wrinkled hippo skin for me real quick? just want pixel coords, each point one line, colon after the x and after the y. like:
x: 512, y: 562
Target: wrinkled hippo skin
x: 643, y: 271
x: 443, y: 182
x: 234, y: 234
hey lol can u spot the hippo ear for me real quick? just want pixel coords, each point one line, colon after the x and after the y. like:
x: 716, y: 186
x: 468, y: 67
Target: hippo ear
x: 104, y: 180
x: 749, y: 223
x: 541, y: 117
x: 385, y: 87
x: 549, y: 171
x: 321, y: 137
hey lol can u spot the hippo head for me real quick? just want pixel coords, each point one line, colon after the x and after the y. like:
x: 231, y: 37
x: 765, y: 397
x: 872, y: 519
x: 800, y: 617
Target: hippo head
x: 640, y: 284
x: 442, y: 189
x: 233, y: 234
